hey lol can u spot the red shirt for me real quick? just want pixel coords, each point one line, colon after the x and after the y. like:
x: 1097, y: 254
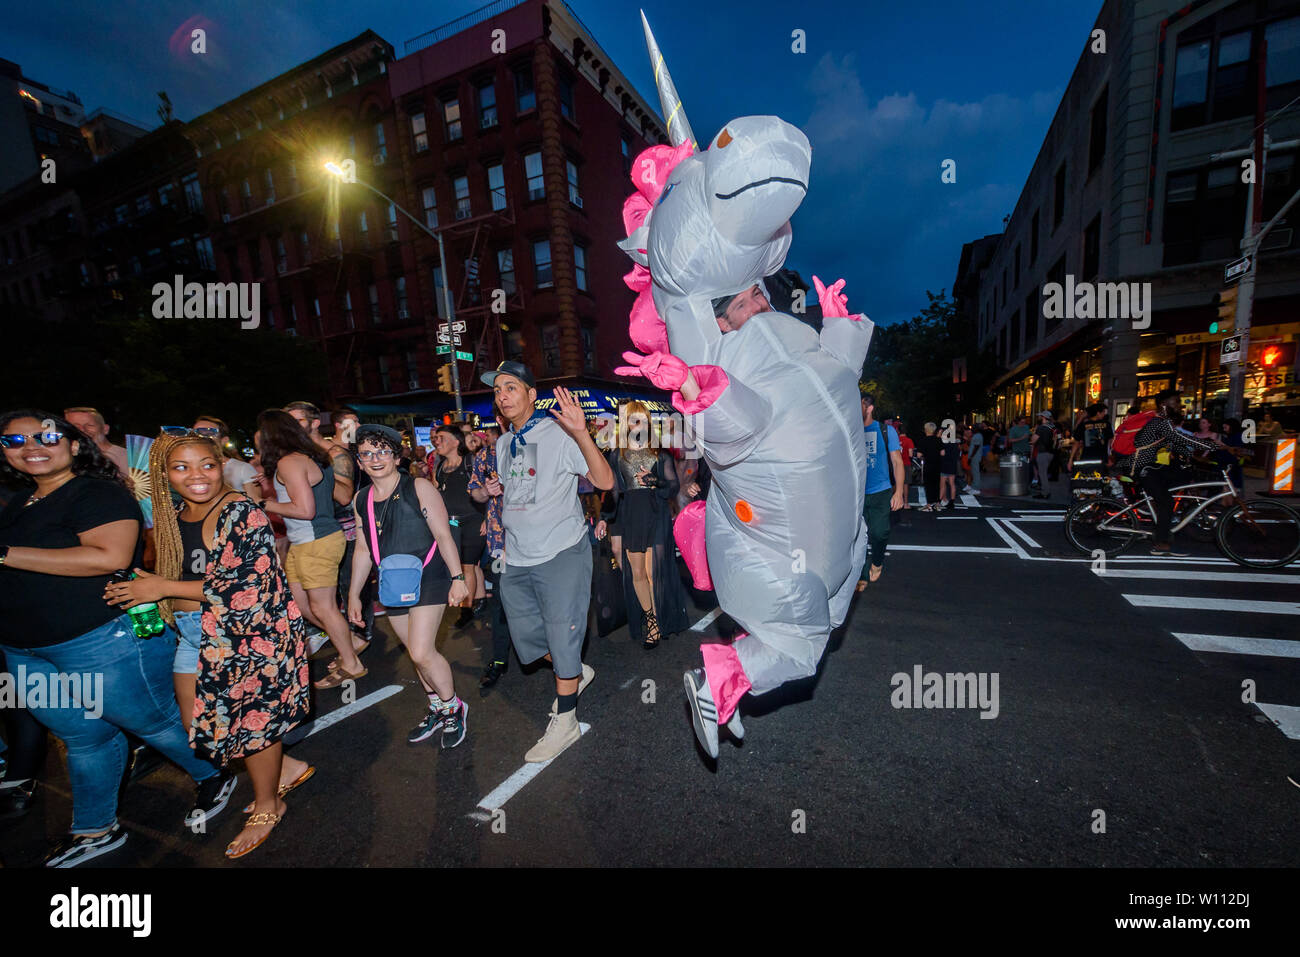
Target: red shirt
x: 907, y: 446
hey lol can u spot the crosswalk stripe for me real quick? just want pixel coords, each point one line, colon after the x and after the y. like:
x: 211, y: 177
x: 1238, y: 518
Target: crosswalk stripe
x: 1287, y: 717
x: 1022, y: 533
x: 1235, y: 645
x: 1215, y: 604
x: 970, y: 501
x: 1259, y: 579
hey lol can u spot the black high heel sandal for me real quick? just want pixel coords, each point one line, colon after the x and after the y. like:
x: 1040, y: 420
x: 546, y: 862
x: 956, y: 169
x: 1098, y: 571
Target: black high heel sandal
x: 652, y: 634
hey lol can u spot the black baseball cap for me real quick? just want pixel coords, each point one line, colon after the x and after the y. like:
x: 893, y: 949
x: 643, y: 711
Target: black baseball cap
x: 387, y: 432
x: 510, y: 367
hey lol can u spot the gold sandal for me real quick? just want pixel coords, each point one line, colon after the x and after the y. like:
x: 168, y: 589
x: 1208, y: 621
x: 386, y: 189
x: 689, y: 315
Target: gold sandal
x: 256, y: 820
x: 286, y: 788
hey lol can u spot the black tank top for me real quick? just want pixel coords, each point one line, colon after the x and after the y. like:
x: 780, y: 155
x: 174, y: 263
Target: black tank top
x: 402, y: 528
x: 454, y: 486
x: 194, y: 558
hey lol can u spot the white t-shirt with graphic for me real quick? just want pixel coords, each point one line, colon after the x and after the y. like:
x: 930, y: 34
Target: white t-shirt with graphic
x: 540, y: 510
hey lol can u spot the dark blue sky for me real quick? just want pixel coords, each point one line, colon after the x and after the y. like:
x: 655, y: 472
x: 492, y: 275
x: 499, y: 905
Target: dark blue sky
x: 886, y: 92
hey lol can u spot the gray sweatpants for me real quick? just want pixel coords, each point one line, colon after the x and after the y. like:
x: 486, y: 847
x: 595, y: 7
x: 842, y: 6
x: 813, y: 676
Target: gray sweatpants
x: 546, y: 606
x: 1044, y: 462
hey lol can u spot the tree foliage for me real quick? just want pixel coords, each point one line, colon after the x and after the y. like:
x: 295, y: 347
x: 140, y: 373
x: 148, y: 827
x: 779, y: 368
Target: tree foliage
x: 909, y: 368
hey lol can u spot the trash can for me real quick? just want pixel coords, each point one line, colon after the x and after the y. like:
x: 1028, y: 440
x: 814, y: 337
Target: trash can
x: 1015, y: 477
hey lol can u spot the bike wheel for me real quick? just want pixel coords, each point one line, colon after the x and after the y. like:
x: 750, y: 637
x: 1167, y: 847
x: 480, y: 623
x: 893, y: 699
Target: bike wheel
x: 1205, y: 526
x: 1082, y: 531
x: 1260, y: 534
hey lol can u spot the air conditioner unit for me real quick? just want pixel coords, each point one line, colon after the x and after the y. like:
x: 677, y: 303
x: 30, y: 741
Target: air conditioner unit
x: 403, y: 314
x: 462, y: 214
x: 577, y: 201
x: 379, y: 159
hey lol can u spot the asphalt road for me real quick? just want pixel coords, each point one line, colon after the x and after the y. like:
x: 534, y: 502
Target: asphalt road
x: 1105, y: 717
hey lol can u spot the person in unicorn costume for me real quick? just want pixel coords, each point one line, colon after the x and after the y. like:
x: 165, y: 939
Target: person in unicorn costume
x: 773, y: 405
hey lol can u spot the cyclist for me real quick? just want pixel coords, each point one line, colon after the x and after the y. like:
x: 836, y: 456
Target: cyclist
x: 1160, y: 462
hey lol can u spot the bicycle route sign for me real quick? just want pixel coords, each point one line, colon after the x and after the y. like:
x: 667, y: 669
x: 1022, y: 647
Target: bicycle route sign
x: 1230, y: 350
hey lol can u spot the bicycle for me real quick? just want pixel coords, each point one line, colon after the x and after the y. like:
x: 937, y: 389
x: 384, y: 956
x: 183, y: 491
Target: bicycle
x: 1260, y: 533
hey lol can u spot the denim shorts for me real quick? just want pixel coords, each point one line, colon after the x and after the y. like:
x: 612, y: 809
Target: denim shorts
x: 190, y: 626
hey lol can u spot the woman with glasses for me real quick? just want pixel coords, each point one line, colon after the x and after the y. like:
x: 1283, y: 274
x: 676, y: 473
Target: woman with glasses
x: 401, y: 515
x: 71, y: 526
x: 452, y: 478
x: 241, y: 664
x: 304, y: 484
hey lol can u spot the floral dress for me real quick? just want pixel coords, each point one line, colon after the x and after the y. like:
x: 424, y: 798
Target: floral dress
x: 253, y: 681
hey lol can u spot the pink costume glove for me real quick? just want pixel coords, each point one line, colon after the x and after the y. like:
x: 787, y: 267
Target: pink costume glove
x: 663, y: 369
x: 833, y: 302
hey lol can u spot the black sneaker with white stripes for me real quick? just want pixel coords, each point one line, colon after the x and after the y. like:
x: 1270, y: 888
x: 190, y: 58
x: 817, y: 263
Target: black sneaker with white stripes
x: 432, y: 721
x: 213, y: 796
x: 75, y: 849
x: 704, y: 713
x: 454, y: 724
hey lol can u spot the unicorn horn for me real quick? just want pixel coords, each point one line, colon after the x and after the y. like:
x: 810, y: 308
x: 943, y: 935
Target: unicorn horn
x: 679, y: 131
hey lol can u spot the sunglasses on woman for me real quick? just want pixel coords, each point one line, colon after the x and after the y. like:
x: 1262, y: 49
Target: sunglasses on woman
x: 17, y: 441
x: 177, y: 431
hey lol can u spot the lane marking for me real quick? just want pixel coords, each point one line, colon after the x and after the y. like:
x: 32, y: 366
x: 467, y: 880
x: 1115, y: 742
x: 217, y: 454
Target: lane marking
x: 1012, y: 526
x: 971, y: 501
x: 1287, y: 717
x: 1261, y: 579
x: 348, y: 710
x: 707, y: 620
x: 1015, y: 545
x: 1215, y: 604
x: 627, y: 684
x: 950, y: 548
x: 1236, y: 645
x: 959, y: 518
x: 512, y: 785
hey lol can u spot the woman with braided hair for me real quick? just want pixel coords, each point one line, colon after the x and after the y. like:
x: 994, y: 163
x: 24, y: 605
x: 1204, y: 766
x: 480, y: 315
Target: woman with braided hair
x: 241, y: 663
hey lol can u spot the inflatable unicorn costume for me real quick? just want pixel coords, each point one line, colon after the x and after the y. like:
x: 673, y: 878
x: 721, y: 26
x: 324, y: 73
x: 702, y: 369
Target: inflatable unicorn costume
x: 773, y: 405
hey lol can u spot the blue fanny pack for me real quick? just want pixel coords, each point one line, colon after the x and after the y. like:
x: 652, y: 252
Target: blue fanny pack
x: 399, y: 575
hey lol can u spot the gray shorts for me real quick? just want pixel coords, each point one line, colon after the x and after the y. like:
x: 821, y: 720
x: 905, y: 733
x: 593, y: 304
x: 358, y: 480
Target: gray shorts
x: 546, y: 606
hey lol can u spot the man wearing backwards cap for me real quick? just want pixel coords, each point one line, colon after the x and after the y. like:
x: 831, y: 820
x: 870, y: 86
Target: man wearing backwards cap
x: 546, y: 584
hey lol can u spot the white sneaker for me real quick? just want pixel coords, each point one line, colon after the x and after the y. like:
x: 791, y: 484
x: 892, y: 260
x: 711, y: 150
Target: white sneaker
x: 560, y: 733
x: 735, y: 727
x: 316, y: 642
x: 704, y: 713
x: 588, y: 672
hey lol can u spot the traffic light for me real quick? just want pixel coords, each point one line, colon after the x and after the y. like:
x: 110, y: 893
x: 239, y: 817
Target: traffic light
x: 1227, y: 320
x: 444, y: 378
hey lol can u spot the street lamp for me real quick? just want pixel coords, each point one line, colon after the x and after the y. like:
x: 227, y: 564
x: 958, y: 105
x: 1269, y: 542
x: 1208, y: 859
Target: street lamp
x: 342, y: 174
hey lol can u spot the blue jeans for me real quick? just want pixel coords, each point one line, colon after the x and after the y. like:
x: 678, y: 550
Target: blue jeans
x: 137, y: 696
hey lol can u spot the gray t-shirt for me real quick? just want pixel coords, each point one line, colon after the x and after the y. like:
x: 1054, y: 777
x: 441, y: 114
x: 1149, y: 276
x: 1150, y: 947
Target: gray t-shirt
x: 540, y: 509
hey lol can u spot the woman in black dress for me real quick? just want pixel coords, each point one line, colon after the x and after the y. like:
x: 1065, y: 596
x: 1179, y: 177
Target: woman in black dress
x: 452, y: 478
x: 645, y: 485
x: 931, y: 448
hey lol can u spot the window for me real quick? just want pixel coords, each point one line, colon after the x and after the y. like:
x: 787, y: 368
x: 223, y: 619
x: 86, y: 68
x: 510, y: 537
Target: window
x: 412, y: 359
x: 439, y: 295
x: 533, y: 173
x: 1234, y: 93
x: 506, y: 270
x: 390, y: 223
x: 372, y: 293
x: 525, y: 97
x: 419, y: 133
x: 497, y: 186
x: 204, y: 249
x: 383, y: 373
x: 165, y: 194
x: 403, y: 307
x: 245, y: 196
x: 1057, y: 275
x: 304, y: 247
x: 551, y: 346
x: 588, y: 349
x: 542, y: 263
x: 566, y: 97
x: 1033, y: 238
x: 281, y: 256
x: 625, y: 145
x: 1204, y: 210
x: 143, y: 204
x: 381, y: 145
x: 293, y: 177
x: 121, y: 212
x: 363, y: 229
x: 1279, y: 184
x: 1191, y: 82
x: 487, y: 105
x: 430, y: 201
x: 1058, y: 198
x: 110, y: 273
x: 360, y: 378
x: 1004, y: 284
x: 1092, y: 248
x: 1015, y: 333
x: 571, y: 169
x: 352, y: 145
x: 461, y: 185
x: 515, y: 345
x: 193, y: 193
x: 580, y: 266
x: 1015, y: 283
x: 345, y: 307
x: 1097, y: 132
x: 451, y: 117
x: 1282, y: 71
x: 269, y: 180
